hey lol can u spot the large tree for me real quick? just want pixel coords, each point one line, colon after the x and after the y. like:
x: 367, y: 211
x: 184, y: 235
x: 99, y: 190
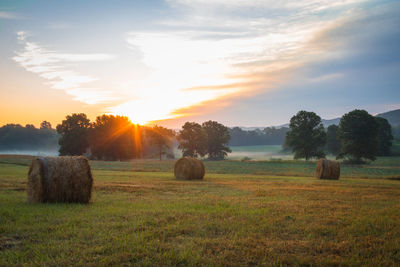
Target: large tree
x: 306, y: 136
x: 115, y: 138
x: 358, y: 133
x: 332, y: 140
x: 385, y: 136
x: 74, y: 131
x: 161, y: 138
x: 217, y: 140
x: 192, y: 140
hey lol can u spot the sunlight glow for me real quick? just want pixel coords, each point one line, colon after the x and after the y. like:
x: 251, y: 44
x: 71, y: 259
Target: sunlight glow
x: 188, y: 60
x: 187, y: 69
x: 161, y: 106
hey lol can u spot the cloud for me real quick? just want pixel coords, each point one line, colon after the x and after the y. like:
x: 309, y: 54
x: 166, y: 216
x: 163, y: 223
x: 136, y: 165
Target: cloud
x: 58, y: 26
x: 8, y: 15
x: 327, y: 56
x: 57, y: 68
x: 270, y: 5
x: 354, y: 63
x: 229, y: 49
x: 217, y: 56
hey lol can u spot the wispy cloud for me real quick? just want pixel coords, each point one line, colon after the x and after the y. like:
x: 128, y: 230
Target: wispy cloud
x: 56, y: 67
x: 352, y: 63
x: 8, y: 15
x: 225, y: 49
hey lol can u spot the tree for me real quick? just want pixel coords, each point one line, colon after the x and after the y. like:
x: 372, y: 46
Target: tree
x: 192, y: 140
x: 74, y: 131
x: 160, y: 137
x: 385, y: 136
x: 217, y: 140
x: 45, y: 125
x: 115, y: 138
x: 306, y: 136
x: 358, y: 133
x: 332, y: 140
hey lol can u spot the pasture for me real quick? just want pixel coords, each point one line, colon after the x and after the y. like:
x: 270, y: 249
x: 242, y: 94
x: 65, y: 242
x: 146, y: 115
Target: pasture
x: 242, y: 213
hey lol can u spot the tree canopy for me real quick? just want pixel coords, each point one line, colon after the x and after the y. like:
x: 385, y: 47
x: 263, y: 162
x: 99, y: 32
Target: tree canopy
x: 160, y: 137
x: 358, y: 133
x: 192, y: 140
x: 74, y: 131
x: 45, y: 125
x: 217, y: 140
x: 115, y: 138
x: 385, y: 136
x: 306, y: 137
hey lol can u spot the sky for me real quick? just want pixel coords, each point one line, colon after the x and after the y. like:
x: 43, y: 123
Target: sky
x: 239, y: 62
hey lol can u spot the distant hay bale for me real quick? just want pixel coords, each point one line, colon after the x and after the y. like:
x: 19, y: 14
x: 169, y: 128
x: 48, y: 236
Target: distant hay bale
x: 189, y: 169
x: 327, y: 169
x: 60, y: 179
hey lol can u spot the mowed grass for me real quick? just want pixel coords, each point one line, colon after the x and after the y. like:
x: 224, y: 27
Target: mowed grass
x: 149, y: 218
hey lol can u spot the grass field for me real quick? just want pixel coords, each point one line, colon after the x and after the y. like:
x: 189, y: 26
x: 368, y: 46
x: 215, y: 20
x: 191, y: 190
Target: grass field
x: 243, y: 213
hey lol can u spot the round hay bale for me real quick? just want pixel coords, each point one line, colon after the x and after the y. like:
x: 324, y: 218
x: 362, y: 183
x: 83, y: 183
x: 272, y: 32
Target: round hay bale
x: 189, y: 169
x: 60, y: 179
x: 327, y: 169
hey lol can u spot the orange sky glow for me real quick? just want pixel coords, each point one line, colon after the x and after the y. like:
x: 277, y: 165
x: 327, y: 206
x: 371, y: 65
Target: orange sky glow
x: 239, y: 62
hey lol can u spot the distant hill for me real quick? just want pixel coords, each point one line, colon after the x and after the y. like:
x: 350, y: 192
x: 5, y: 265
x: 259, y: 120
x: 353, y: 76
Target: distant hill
x: 327, y: 123
x: 393, y: 117
x: 251, y: 128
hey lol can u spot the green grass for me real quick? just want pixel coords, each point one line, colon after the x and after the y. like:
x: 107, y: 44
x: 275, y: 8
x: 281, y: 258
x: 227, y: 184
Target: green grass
x: 147, y: 217
x: 383, y: 167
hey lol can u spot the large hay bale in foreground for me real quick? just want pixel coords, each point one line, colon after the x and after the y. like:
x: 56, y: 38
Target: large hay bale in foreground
x: 189, y: 169
x: 60, y: 179
x: 327, y: 169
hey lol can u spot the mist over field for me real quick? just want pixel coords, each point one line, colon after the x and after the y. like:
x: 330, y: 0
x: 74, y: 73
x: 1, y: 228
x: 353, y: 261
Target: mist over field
x: 267, y: 152
x: 30, y: 152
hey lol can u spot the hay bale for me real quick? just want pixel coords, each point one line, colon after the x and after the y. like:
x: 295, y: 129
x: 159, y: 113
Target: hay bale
x: 60, y: 179
x: 189, y: 169
x: 327, y: 169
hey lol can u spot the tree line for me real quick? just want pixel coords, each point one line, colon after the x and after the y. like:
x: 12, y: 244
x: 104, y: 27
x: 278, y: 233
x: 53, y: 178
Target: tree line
x: 267, y: 136
x: 116, y: 138
x: 15, y: 137
x: 358, y: 137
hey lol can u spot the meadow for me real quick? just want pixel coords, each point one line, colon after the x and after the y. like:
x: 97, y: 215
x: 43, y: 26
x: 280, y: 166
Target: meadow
x: 242, y: 213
